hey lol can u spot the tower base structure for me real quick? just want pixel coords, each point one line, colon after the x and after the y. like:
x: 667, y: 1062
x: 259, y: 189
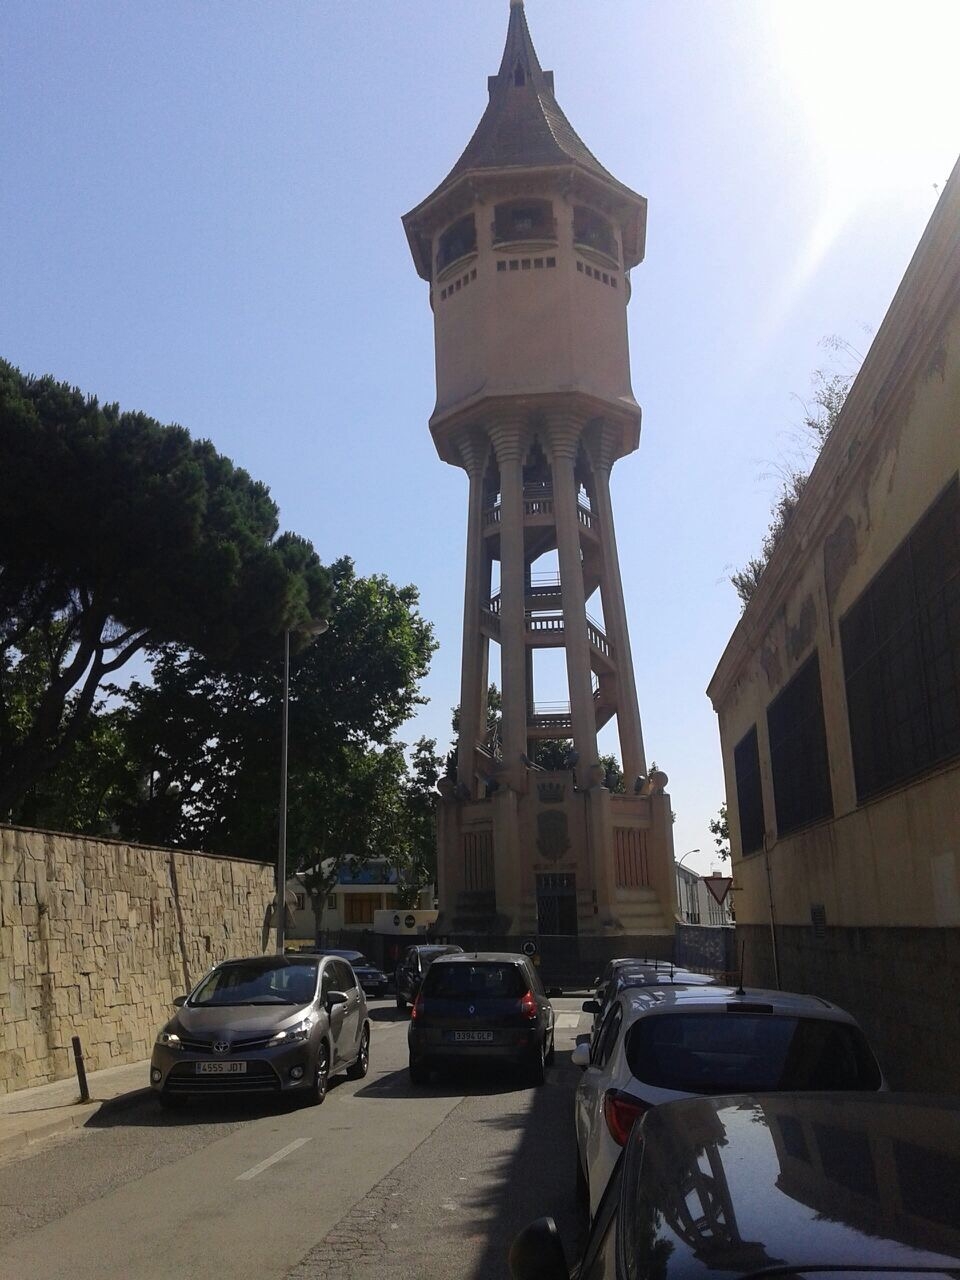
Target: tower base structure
x: 556, y: 859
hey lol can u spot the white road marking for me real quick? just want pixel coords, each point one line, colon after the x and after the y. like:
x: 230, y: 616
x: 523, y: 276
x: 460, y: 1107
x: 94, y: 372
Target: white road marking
x: 567, y: 1021
x: 277, y: 1155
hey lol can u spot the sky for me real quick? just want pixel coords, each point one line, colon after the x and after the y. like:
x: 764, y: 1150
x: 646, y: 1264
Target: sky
x: 200, y: 218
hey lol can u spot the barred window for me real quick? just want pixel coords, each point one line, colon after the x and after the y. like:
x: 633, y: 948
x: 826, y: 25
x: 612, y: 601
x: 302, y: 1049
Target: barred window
x: 746, y: 763
x: 901, y: 655
x: 798, y: 751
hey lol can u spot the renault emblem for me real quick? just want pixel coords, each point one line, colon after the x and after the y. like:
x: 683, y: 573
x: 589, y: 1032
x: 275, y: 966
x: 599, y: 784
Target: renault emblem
x: 221, y: 1046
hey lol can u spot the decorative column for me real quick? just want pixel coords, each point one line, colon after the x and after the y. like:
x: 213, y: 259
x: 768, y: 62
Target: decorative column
x: 615, y: 622
x: 509, y: 441
x: 473, y: 449
x: 564, y: 439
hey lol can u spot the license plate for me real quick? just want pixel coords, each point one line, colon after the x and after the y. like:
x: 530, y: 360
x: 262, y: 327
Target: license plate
x: 221, y: 1068
x: 473, y: 1037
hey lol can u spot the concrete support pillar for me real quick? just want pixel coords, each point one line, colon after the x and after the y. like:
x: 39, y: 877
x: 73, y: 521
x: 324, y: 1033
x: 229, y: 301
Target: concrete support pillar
x: 564, y: 437
x: 615, y: 622
x: 509, y: 441
x: 600, y: 835
x: 473, y: 693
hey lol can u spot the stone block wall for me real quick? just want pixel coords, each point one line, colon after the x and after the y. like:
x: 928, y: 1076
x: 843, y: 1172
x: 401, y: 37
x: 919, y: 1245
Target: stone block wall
x: 97, y: 937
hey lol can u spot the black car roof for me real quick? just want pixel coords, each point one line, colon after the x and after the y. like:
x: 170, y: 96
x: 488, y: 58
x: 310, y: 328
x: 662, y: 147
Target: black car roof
x: 859, y: 1180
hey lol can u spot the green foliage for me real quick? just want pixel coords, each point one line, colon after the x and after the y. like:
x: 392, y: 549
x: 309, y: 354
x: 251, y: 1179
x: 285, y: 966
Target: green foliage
x: 207, y: 736
x: 117, y: 533
x: 721, y: 832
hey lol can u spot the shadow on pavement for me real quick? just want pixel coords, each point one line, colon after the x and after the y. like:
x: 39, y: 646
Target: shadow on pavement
x: 536, y: 1180
x: 389, y: 1013
x: 142, y: 1110
x: 450, y: 1083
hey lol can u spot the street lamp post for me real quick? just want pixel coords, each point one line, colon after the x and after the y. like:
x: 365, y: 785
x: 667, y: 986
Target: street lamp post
x: 313, y: 629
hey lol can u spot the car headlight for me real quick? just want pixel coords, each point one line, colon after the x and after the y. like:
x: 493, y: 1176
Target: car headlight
x: 301, y: 1031
x: 170, y: 1039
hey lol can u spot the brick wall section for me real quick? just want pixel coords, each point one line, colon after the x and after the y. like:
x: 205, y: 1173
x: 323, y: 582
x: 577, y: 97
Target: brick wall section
x: 900, y: 984
x: 97, y: 937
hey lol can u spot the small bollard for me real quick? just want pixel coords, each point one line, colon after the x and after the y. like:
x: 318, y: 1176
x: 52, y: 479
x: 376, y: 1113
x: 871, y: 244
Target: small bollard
x: 81, y: 1070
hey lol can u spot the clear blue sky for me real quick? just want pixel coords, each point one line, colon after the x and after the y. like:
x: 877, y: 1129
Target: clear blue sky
x: 200, y: 218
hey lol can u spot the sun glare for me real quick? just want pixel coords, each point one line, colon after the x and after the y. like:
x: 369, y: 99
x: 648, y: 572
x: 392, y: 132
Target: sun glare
x: 879, y: 87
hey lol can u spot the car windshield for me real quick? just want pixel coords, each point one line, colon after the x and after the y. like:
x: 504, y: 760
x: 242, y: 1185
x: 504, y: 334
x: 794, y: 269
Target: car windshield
x: 283, y: 982
x: 478, y: 981
x: 744, y: 1052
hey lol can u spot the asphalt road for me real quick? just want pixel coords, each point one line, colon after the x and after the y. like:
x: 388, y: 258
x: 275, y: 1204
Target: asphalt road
x: 383, y: 1180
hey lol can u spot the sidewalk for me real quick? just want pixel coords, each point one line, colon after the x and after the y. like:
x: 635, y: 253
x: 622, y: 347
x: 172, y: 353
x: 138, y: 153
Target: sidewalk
x: 46, y: 1109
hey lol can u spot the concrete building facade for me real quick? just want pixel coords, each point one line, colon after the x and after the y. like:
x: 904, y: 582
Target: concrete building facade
x: 838, y: 698
x: 527, y: 246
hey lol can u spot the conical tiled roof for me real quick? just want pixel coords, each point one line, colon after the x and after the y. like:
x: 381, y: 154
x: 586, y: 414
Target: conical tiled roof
x: 523, y: 123
x: 523, y: 127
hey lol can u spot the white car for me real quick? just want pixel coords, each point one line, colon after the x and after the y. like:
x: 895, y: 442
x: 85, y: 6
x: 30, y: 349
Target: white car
x: 660, y: 1043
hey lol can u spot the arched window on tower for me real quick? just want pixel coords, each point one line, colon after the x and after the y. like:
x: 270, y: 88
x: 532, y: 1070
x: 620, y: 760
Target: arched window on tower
x: 592, y: 231
x: 524, y: 220
x: 457, y: 241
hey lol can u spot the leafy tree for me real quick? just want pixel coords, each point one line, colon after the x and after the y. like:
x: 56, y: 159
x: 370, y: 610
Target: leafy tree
x: 117, y: 533
x: 419, y: 867
x: 721, y: 832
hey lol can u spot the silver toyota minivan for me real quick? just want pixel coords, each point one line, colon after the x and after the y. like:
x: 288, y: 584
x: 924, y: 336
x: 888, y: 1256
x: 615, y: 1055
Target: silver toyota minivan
x: 267, y: 1024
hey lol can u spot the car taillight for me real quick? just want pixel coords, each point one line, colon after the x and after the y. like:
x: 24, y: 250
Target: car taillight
x: 528, y: 1005
x: 620, y: 1110
x: 417, y: 1008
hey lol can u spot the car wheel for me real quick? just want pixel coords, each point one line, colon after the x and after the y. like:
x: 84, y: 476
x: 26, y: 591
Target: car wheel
x: 419, y: 1073
x: 362, y: 1064
x: 582, y: 1186
x: 537, y: 1065
x: 321, y: 1075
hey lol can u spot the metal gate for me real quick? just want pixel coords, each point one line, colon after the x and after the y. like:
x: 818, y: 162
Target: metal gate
x: 557, y: 903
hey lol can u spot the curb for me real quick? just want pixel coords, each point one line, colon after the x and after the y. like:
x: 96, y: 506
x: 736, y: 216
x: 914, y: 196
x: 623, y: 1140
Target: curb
x: 76, y: 1118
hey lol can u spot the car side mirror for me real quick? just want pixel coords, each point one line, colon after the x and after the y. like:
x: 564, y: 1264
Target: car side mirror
x: 537, y: 1253
x: 581, y: 1055
x: 179, y: 1001
x: 336, y: 997
x: 591, y: 1006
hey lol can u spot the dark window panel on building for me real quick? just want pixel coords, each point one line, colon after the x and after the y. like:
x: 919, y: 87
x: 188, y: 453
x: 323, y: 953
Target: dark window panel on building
x: 457, y: 241
x: 798, y: 751
x: 901, y: 655
x: 746, y: 763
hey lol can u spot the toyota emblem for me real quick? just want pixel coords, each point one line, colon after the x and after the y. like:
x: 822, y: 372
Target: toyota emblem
x: 221, y: 1046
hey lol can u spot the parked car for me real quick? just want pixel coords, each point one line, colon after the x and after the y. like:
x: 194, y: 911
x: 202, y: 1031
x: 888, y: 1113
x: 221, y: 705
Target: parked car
x: 415, y: 963
x: 620, y: 974
x: 372, y: 979
x: 797, y: 1185
x: 268, y: 1024
x: 484, y: 1006
x: 660, y: 1043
